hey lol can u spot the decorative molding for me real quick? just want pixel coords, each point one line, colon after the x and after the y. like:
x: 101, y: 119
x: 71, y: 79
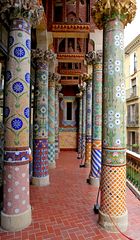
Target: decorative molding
x: 69, y: 56
x: 110, y: 9
x: 26, y: 9
x: 132, y: 45
x: 70, y: 72
x: 61, y: 27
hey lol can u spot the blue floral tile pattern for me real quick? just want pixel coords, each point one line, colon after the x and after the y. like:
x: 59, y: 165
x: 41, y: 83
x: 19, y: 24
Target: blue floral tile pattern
x: 27, y: 112
x: 28, y: 44
x: 19, y: 52
x: 16, y: 123
x: 18, y: 87
x: 27, y: 77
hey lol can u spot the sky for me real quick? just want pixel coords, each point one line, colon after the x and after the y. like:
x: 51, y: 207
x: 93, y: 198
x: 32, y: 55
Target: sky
x: 133, y: 29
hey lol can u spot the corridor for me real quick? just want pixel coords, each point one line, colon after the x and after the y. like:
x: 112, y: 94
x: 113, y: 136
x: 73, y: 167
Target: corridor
x: 63, y: 210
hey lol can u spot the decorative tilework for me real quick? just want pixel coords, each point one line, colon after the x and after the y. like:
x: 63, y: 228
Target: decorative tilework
x: 40, y: 167
x: 16, y: 156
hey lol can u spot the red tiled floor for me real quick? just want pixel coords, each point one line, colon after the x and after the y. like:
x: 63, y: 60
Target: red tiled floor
x: 64, y: 209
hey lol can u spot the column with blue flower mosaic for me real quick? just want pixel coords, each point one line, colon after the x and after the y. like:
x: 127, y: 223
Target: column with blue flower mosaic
x: 51, y: 119
x: 112, y: 18
x: 16, y: 213
x: 58, y: 88
x: 88, y: 80
x: 40, y: 119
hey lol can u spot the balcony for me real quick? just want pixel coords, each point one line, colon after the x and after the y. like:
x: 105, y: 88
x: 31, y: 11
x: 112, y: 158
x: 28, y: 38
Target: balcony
x: 133, y: 172
x: 70, y: 72
x: 133, y: 122
x: 70, y: 57
x: 132, y: 93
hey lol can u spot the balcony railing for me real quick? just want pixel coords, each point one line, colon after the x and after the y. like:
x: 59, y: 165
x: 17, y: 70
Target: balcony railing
x: 133, y: 172
x: 132, y: 93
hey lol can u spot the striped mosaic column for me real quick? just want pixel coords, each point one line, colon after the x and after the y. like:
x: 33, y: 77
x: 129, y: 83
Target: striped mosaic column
x: 40, y: 120
x: 79, y: 95
x: 16, y: 213
x: 112, y: 18
x: 51, y: 120
x: 95, y: 171
x: 83, y: 89
x: 88, y: 81
x: 61, y: 95
x: 58, y: 88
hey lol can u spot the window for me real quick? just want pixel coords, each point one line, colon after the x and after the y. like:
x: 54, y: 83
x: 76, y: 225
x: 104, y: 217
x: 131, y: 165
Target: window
x: 69, y: 111
x: 133, y: 84
x: 58, y: 11
x: 133, y: 63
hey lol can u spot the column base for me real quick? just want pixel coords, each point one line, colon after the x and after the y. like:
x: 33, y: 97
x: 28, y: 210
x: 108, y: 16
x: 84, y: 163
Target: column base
x: 43, y: 181
x: 94, y: 181
x: 14, y: 223
x: 57, y: 156
x: 109, y: 223
x: 52, y: 165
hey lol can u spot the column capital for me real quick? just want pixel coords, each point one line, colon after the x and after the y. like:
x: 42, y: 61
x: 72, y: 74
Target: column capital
x: 107, y: 9
x: 61, y: 95
x: 82, y: 86
x: 54, y: 77
x: 29, y: 10
x: 90, y: 57
x: 79, y: 95
x: 87, y: 77
x: 58, y: 87
x: 43, y: 56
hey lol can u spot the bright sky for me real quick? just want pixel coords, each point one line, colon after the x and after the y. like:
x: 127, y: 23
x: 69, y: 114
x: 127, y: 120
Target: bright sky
x: 133, y: 29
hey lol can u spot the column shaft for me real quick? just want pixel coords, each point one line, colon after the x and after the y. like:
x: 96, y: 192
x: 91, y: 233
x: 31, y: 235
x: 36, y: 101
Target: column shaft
x: 80, y: 129
x: 57, y: 89
x: 16, y: 212
x: 88, y: 122
x: 113, y: 180
x: 95, y: 171
x: 83, y: 126
x: 51, y: 121
x: 40, y: 142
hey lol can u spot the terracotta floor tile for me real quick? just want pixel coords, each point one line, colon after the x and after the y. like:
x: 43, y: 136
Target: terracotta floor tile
x: 64, y: 209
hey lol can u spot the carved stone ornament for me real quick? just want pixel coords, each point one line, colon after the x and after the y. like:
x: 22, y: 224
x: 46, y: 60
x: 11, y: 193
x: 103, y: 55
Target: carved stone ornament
x: 41, y: 55
x: 54, y: 77
x: 28, y: 9
x: 106, y: 9
x: 90, y: 57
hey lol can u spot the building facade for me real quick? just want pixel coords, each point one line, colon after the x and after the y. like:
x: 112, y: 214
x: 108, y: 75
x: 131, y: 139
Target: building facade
x: 132, y: 76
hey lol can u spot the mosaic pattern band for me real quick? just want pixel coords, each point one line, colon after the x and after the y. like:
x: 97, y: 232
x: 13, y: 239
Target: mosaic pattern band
x: 40, y: 141
x: 88, y: 122
x: 51, y: 120
x: 97, y: 117
x: 113, y: 177
x: 16, y: 119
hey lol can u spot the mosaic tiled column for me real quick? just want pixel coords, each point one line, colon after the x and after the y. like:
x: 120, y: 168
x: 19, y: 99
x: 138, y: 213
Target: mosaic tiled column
x: 58, y: 88
x: 79, y: 95
x: 95, y: 171
x: 40, y: 120
x: 83, y: 89
x: 16, y: 213
x: 112, y: 18
x: 51, y: 120
x: 88, y: 81
x: 61, y: 95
